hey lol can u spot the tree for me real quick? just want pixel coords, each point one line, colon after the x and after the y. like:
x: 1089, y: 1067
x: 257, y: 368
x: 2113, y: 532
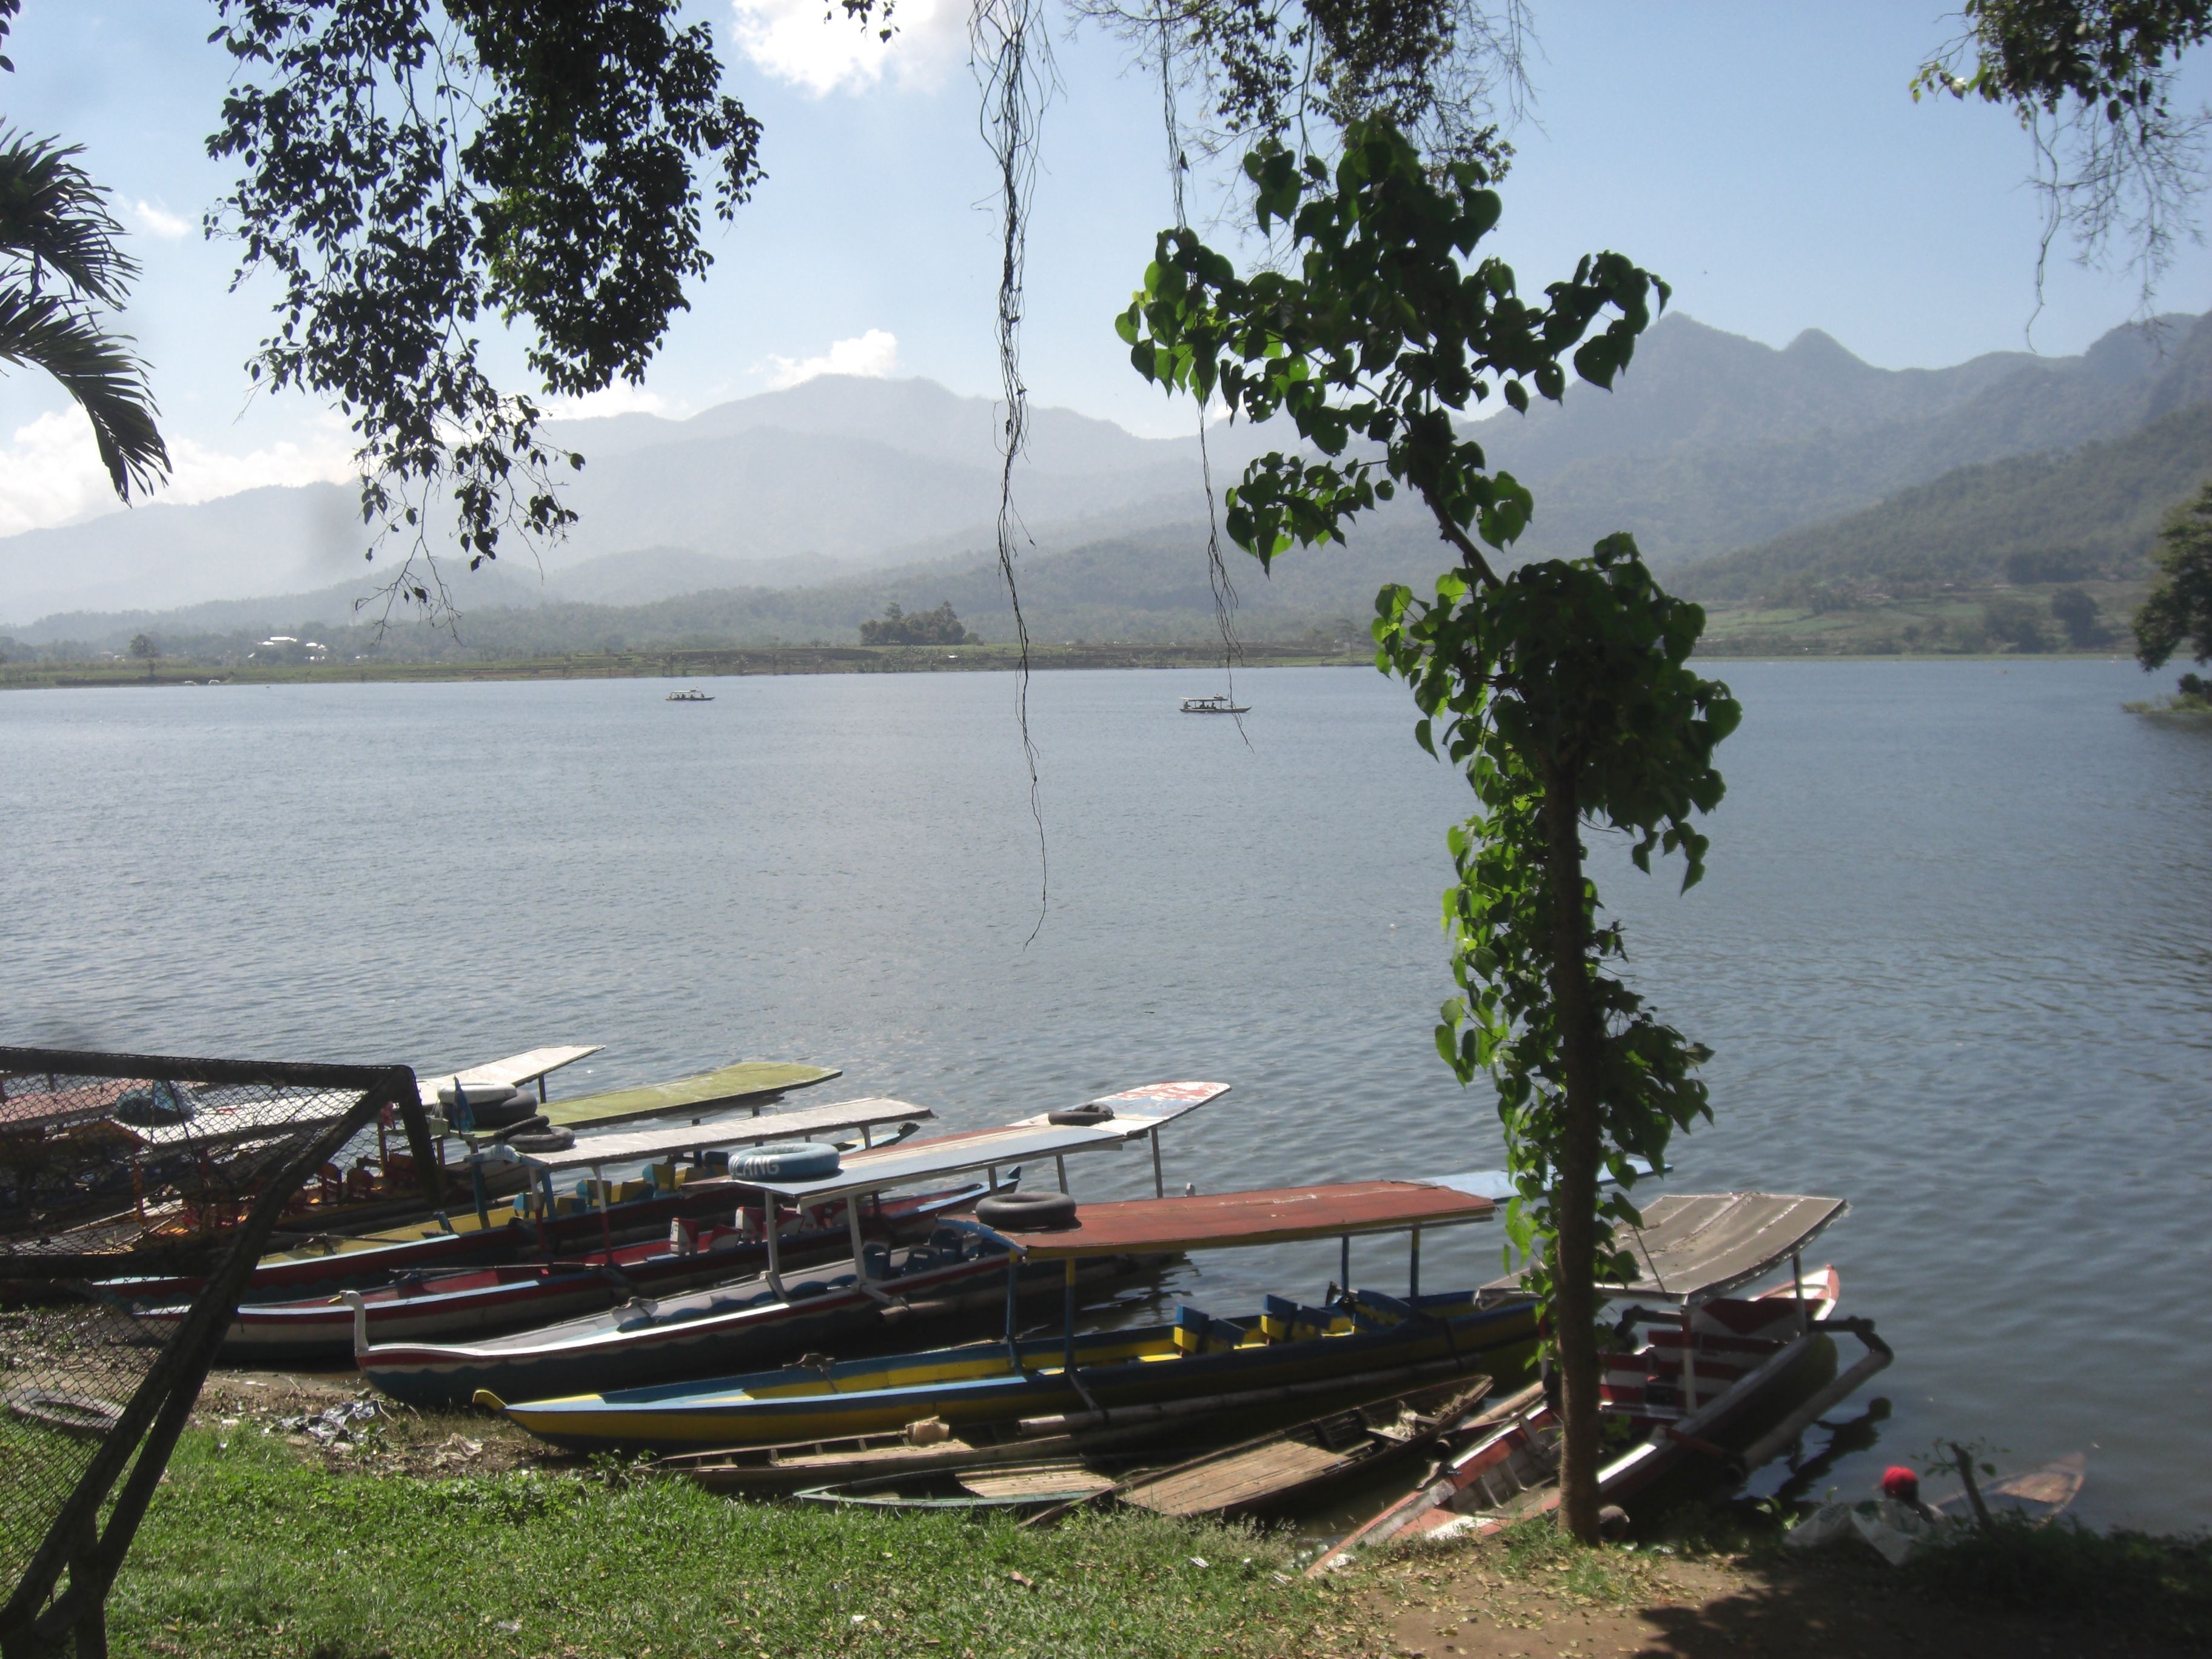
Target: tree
x: 2094, y: 81
x: 413, y: 168
x: 60, y: 270
x: 146, y: 651
x: 2076, y: 613
x: 898, y: 626
x: 1561, y: 688
x: 2178, y: 614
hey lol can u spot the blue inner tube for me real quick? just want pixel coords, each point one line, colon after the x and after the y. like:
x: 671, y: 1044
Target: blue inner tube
x: 785, y: 1160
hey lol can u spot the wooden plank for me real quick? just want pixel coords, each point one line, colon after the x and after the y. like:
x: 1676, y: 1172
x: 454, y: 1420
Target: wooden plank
x: 1220, y: 1482
x: 1035, y: 1481
x: 750, y: 1082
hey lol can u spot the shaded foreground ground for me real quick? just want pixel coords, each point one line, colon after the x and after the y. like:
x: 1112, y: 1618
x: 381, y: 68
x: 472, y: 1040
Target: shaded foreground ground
x: 282, y: 1530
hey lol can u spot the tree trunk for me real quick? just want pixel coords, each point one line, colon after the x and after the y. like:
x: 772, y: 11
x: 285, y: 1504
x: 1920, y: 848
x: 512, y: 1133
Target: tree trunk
x: 1574, y: 1265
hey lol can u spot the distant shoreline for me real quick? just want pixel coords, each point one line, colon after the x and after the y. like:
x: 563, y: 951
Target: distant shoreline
x: 719, y: 663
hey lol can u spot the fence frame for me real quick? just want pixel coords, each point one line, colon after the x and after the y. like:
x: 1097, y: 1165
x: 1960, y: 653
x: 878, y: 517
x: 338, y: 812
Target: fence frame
x: 162, y: 1403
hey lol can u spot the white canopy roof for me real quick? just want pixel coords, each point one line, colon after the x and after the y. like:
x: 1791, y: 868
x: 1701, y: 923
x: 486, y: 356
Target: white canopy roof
x: 643, y: 1146
x: 514, y: 1072
x: 943, y: 1155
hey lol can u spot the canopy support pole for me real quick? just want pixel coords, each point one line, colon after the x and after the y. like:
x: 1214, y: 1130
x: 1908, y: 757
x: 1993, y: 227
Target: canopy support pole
x: 1689, y: 1364
x: 991, y: 1178
x: 1067, y: 1323
x: 541, y: 1088
x: 1344, y: 1263
x: 1013, y: 1272
x: 1797, y: 1289
x: 773, y: 1225
x: 1060, y: 1163
x: 606, y: 1229
x: 1413, y: 1277
x: 1160, y: 1185
x: 852, y: 1226
x: 476, y: 1187
x: 546, y: 1215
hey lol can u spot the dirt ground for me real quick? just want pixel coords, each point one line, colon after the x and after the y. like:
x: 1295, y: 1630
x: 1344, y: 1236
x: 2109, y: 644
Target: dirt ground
x: 310, y: 1411
x: 1462, y: 1602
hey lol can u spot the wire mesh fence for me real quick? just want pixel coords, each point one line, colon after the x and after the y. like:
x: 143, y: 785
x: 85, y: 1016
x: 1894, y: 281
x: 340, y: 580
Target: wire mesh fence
x: 127, y: 1184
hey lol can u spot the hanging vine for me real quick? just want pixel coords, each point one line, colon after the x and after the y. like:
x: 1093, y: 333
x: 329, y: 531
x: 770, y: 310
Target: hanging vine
x: 1012, y: 57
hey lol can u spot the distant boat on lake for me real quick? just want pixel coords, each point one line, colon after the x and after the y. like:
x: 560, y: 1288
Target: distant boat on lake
x: 1214, y: 705
x: 689, y: 694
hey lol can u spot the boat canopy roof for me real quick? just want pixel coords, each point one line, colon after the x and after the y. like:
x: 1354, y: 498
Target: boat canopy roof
x: 1279, y: 1215
x: 1142, y: 1110
x: 639, y: 1145
x: 515, y: 1070
x: 748, y: 1083
x: 945, y: 1155
x: 1695, y: 1246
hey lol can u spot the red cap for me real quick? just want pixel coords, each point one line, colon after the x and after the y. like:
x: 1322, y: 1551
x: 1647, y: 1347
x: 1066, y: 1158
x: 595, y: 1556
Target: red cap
x: 1897, y: 1481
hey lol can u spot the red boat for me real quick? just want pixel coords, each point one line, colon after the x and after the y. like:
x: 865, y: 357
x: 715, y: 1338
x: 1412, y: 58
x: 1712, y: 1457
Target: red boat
x: 1714, y: 1370
x: 430, y: 1306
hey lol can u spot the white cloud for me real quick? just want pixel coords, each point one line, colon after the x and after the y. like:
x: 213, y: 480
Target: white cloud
x: 874, y: 355
x: 620, y: 398
x: 793, y: 41
x: 157, y: 222
x: 51, y: 474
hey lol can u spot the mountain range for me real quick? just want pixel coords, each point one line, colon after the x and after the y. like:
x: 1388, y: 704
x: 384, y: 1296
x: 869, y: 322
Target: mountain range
x: 796, y: 513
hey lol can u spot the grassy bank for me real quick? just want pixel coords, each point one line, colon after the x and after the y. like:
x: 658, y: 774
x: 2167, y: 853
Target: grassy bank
x: 1955, y: 622
x: 249, y: 1549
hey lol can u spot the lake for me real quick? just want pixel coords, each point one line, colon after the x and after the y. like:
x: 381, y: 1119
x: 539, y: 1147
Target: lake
x: 1953, y: 955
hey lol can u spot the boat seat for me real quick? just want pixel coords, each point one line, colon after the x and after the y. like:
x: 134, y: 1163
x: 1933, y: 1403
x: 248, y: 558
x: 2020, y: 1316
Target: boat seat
x: 1282, y: 1320
x: 1199, y: 1332
x: 1374, y: 1311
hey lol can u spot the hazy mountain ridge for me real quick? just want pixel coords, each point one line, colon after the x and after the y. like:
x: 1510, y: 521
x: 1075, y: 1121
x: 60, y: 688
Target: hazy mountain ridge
x: 1712, y: 443
x: 2058, y: 516
x: 1687, y: 501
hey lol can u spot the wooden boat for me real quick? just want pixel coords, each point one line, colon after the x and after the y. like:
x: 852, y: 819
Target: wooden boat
x: 1092, y: 1380
x: 932, y: 1447
x: 2037, y: 1496
x: 1713, y: 1368
x: 421, y: 1307
x: 1297, y: 1464
x: 1055, y: 1484
x: 689, y: 694
x: 1217, y: 704
x: 547, y: 1225
x: 759, y: 1319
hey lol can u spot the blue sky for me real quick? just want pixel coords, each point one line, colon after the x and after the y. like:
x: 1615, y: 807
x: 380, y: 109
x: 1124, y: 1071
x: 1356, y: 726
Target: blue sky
x: 1766, y: 159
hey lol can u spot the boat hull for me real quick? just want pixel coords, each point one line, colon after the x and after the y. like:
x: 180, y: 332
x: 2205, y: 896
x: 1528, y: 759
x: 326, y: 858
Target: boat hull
x: 979, y: 1383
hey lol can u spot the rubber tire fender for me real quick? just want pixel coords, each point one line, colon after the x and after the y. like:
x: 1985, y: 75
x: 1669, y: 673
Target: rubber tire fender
x: 787, y: 1160
x: 1097, y: 1111
x: 1026, y: 1212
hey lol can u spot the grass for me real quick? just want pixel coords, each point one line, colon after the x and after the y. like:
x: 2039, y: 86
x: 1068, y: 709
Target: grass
x: 2144, y: 1586
x: 247, y: 1550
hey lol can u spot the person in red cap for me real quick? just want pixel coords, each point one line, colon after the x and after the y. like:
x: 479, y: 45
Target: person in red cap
x: 1901, y: 1484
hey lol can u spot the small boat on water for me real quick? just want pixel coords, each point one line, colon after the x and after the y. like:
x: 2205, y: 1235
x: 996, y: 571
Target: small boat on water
x: 1704, y: 1384
x: 2037, y: 1496
x: 1215, y: 704
x: 1355, y: 1341
x: 690, y: 694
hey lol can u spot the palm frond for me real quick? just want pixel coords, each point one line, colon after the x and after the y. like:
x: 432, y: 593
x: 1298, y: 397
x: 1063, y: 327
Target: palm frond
x: 44, y: 331
x: 53, y: 215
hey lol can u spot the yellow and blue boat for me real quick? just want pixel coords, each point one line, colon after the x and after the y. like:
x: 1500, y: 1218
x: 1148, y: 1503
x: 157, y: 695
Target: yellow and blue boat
x: 1354, y: 1338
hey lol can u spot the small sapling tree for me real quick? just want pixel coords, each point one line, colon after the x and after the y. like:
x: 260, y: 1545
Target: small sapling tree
x: 1562, y: 688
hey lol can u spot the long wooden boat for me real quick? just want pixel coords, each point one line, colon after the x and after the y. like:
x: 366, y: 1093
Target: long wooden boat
x: 694, y: 1186
x: 1357, y: 1335
x: 426, y: 1307
x: 757, y: 1320
x: 1161, y: 1434
x: 1711, y: 1374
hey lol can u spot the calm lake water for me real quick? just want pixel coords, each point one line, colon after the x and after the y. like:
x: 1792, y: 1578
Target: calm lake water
x: 1954, y: 954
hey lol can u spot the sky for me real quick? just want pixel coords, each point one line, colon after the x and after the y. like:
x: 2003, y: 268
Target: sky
x: 1766, y: 160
